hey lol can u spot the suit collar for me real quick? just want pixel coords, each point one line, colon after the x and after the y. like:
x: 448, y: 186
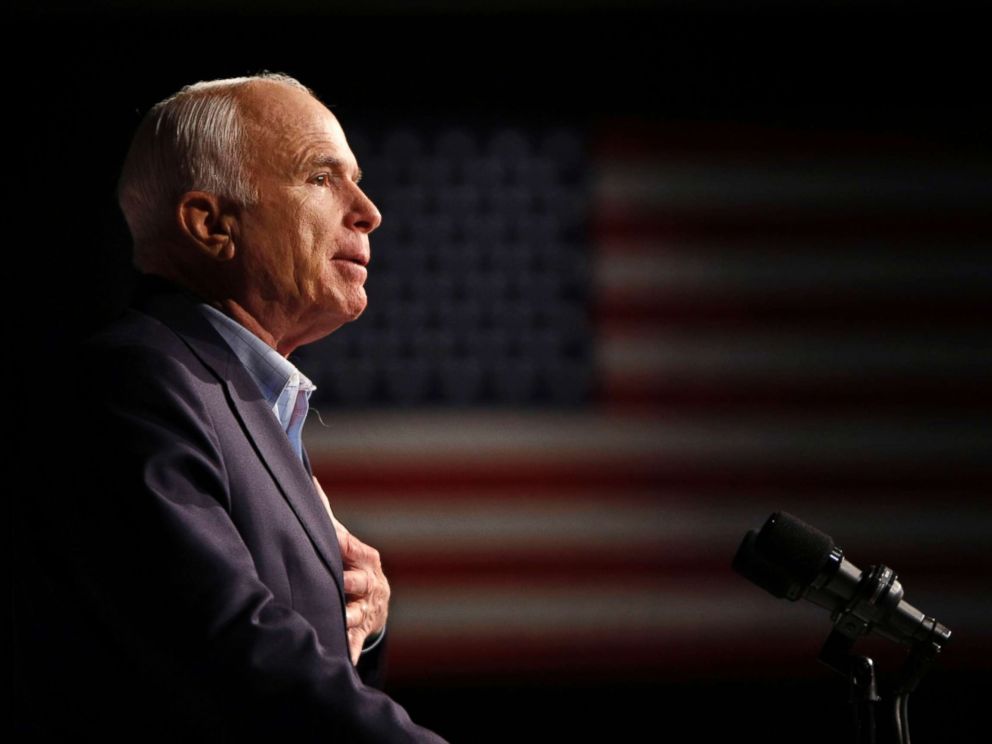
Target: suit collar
x: 176, y: 307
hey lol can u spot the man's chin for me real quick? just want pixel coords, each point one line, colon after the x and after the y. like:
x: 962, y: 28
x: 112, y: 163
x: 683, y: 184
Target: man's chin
x: 359, y: 306
x: 352, y: 310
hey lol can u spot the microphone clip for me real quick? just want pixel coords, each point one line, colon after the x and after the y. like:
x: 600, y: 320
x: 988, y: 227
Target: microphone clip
x: 878, y: 593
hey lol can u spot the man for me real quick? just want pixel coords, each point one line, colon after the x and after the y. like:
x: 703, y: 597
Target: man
x: 191, y: 580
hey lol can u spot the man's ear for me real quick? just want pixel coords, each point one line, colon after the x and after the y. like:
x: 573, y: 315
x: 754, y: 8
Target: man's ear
x: 207, y: 221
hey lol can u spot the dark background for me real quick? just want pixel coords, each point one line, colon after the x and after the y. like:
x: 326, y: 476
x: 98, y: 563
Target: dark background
x: 87, y: 72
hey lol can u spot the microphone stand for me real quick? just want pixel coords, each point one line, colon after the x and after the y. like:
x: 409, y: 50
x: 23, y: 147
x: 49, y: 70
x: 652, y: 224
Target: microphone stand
x: 920, y: 659
x: 850, y: 623
x: 860, y: 673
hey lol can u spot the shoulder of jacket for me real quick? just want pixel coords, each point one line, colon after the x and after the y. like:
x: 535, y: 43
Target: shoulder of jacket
x: 139, y: 347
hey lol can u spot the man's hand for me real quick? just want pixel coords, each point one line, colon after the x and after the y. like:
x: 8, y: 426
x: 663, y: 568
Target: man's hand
x: 365, y: 586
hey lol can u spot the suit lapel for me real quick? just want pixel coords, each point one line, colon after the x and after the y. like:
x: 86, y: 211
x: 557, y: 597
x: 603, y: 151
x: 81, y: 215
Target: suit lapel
x: 274, y: 449
x: 177, y: 309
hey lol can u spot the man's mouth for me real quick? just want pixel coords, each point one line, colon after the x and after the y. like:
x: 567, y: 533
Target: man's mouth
x: 355, y: 259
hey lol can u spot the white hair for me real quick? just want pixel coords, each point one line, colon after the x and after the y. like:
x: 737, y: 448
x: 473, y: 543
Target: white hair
x: 194, y: 140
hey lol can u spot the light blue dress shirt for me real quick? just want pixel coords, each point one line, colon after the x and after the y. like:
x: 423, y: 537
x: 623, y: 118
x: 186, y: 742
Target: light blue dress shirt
x: 286, y: 389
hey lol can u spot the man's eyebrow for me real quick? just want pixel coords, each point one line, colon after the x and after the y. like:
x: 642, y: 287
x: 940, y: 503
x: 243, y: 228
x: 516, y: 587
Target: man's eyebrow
x: 327, y: 161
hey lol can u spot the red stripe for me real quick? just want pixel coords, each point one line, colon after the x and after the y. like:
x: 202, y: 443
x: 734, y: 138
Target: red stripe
x: 454, y: 474
x: 687, y: 564
x: 788, y: 225
x: 692, y: 499
x: 647, y: 395
x: 740, y: 143
x: 617, y: 311
x: 613, y: 656
x: 689, y: 501
x: 759, y: 250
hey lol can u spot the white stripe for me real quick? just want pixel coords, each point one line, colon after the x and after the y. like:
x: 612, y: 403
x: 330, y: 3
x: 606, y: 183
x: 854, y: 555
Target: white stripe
x: 536, y: 609
x: 506, y: 438
x: 651, y: 272
x: 767, y: 183
x: 761, y: 355
x: 680, y: 612
x: 625, y: 522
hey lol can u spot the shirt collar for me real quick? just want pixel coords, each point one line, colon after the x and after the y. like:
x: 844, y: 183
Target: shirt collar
x: 270, y: 370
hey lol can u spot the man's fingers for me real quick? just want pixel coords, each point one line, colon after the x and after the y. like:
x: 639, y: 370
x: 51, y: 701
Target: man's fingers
x: 358, y: 615
x: 355, y: 614
x: 365, y: 585
x: 323, y: 498
x: 357, y: 582
x: 356, y: 639
x: 346, y: 541
x: 355, y: 552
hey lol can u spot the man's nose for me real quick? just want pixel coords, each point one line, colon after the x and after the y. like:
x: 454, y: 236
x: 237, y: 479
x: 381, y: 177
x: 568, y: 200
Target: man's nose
x: 365, y: 216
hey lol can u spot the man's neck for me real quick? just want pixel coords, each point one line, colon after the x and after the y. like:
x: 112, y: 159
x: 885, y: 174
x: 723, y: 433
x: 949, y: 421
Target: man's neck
x: 269, y: 321
x: 236, y: 310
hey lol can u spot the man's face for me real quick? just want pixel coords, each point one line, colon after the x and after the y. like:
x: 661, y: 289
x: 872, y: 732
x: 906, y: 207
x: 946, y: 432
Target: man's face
x: 305, y: 243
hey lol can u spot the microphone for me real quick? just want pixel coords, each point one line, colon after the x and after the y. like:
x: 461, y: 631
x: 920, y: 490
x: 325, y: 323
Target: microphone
x: 793, y: 560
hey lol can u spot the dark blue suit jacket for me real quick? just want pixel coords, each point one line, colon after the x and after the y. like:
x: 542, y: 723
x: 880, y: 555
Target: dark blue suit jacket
x: 190, y: 580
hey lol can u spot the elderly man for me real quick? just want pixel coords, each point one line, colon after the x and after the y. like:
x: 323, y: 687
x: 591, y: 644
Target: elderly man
x: 196, y: 583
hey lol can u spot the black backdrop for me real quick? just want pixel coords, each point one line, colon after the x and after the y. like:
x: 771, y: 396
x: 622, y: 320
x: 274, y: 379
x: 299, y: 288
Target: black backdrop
x: 81, y: 80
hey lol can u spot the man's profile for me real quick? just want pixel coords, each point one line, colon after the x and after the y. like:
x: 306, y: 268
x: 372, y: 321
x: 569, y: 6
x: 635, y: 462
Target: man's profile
x: 192, y: 580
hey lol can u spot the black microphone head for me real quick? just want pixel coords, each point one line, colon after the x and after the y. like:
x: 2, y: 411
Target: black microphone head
x: 750, y: 564
x: 800, y: 549
x: 785, y: 557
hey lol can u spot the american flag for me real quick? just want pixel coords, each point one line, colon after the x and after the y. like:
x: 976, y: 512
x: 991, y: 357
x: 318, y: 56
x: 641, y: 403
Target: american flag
x: 776, y: 320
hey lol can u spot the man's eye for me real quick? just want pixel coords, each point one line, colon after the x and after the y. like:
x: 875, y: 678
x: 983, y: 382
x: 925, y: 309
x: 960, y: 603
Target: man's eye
x: 322, y: 180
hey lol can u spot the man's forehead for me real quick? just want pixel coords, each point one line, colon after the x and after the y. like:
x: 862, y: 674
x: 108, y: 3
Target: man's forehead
x: 323, y: 158
x: 292, y: 123
x: 319, y: 146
